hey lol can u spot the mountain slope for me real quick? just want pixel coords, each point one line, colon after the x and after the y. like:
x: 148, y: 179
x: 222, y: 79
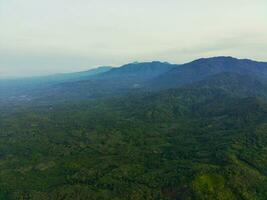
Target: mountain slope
x: 205, y: 139
x: 116, y: 81
x: 151, y: 76
x: 198, y: 144
x: 202, y: 68
x: 77, y: 76
x: 239, y: 77
x: 18, y: 87
x: 236, y: 84
x: 139, y: 71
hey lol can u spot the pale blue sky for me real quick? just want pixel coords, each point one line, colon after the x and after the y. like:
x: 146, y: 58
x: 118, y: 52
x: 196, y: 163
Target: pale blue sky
x: 50, y: 36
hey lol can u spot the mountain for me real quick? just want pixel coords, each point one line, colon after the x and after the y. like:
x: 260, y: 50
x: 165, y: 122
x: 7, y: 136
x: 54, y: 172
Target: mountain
x: 234, y: 84
x: 202, y: 68
x: 131, y: 76
x: 184, y: 143
x: 134, y: 132
x: 241, y: 76
x: 139, y: 71
x: 24, y: 86
x: 116, y: 81
x: 78, y: 76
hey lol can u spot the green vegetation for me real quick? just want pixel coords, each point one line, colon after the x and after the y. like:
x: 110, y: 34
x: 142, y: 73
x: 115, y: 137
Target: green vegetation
x: 185, y: 144
x: 196, y: 131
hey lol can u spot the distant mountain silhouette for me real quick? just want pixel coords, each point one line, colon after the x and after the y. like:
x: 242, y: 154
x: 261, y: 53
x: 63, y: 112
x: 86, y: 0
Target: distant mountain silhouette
x: 80, y: 75
x: 116, y: 81
x: 20, y: 86
x: 202, y: 68
x: 237, y: 76
x: 139, y: 71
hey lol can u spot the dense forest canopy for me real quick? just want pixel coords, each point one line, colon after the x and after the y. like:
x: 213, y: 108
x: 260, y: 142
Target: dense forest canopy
x: 196, y: 131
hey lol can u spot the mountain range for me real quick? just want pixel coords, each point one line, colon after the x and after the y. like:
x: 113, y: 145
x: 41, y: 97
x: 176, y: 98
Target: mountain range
x: 230, y: 73
x: 153, y: 131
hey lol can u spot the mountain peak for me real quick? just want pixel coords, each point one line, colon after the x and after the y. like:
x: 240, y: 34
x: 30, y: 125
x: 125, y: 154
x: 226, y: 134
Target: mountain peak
x: 216, y: 59
x: 200, y: 69
x: 225, y: 59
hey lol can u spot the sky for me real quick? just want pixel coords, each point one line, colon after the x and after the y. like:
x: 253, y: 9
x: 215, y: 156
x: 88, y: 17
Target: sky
x: 39, y: 37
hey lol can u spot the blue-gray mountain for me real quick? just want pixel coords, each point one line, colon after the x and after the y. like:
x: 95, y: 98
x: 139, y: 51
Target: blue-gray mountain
x: 202, y: 68
x: 22, y: 86
x: 237, y: 76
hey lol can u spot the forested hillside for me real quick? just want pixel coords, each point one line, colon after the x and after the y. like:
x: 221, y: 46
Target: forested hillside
x: 203, y: 140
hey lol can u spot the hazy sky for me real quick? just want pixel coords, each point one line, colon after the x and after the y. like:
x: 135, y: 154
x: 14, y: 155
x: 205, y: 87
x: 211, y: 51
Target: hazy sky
x: 50, y: 36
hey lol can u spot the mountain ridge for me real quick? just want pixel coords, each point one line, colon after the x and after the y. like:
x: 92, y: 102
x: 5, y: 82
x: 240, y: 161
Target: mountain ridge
x: 204, y: 67
x: 153, y: 76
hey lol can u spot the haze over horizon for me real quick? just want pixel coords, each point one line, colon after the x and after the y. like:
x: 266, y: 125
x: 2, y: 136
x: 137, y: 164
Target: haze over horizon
x: 46, y: 37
